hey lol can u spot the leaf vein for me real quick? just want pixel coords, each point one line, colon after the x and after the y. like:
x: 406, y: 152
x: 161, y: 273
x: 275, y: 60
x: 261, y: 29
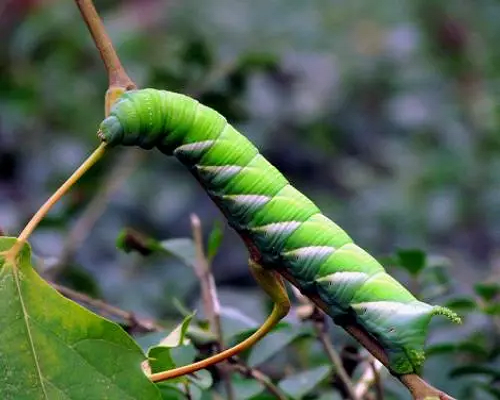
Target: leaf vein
x: 28, y: 329
x: 80, y: 356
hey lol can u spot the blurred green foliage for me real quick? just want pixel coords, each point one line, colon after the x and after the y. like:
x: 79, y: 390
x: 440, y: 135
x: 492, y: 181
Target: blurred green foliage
x: 385, y: 113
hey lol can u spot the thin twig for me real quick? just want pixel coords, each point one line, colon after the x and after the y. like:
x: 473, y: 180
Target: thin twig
x: 318, y: 317
x: 321, y: 331
x: 259, y: 376
x: 143, y: 324
x: 368, y: 378
x: 379, y: 390
x: 116, y: 73
x: 208, y: 289
x: 209, y: 297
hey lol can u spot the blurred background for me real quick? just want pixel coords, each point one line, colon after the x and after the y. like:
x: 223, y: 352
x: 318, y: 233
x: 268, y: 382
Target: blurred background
x: 384, y: 113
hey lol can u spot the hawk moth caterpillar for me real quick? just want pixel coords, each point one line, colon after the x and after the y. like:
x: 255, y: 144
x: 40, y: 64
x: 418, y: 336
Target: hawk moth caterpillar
x: 285, y: 226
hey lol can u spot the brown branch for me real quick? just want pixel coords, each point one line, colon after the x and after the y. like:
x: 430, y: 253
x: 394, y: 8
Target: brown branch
x: 209, y: 296
x: 132, y: 321
x: 116, y: 73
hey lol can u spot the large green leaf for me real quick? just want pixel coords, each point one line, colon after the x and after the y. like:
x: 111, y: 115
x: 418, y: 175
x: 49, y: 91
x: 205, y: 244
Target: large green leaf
x: 274, y: 343
x: 52, y: 348
x: 298, y: 385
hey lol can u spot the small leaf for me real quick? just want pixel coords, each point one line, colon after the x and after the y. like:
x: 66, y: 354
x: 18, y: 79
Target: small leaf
x: 170, y: 391
x: 413, y: 260
x: 183, y: 355
x: 234, y: 321
x: 246, y: 389
x: 166, y: 358
x: 487, y: 291
x: 150, y: 339
x: 130, y: 240
x: 437, y: 349
x: 160, y: 359
x: 79, y: 279
x: 461, y: 304
x: 202, y: 378
x: 475, y: 370
x: 489, y: 389
x: 53, y: 348
x: 330, y: 395
x: 214, y: 240
x: 273, y: 343
x: 298, y: 385
x: 181, y: 248
x: 178, y: 335
x: 199, y: 336
x: 195, y: 392
x: 492, y: 309
x: 475, y: 348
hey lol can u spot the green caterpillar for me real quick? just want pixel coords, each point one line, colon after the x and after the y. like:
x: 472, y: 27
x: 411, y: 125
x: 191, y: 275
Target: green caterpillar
x: 285, y: 226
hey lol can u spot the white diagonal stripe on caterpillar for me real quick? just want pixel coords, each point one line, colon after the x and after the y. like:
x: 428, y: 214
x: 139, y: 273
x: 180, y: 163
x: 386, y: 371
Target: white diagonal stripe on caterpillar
x: 392, y: 307
x: 278, y: 227
x: 248, y: 199
x: 343, y: 277
x: 192, y: 147
x: 225, y: 171
x: 310, y: 252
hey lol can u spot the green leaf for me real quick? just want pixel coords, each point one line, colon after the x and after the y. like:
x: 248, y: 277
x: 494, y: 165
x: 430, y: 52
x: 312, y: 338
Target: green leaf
x: 298, y: 385
x: 330, y: 395
x: 183, y: 355
x: 461, y: 304
x: 178, y: 336
x: 166, y: 358
x: 413, y: 260
x: 234, y: 322
x: 150, y: 339
x: 489, y: 389
x: 202, y: 378
x: 181, y: 248
x: 492, y: 309
x: 200, y: 337
x: 476, y: 349
x: 475, y: 370
x: 170, y: 391
x: 487, y: 291
x: 160, y: 359
x: 78, y: 279
x: 246, y: 388
x: 52, y: 348
x: 272, y: 344
x: 214, y: 240
x: 443, y: 348
x: 173, y: 350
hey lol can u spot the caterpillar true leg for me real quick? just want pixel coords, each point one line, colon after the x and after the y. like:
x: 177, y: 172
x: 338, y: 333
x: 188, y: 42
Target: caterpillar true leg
x: 273, y: 285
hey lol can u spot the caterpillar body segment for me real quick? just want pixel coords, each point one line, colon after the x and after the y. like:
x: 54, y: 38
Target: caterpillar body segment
x: 284, y: 225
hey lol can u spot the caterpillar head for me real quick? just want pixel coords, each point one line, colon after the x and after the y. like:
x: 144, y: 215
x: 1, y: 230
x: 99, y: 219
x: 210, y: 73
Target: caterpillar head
x: 111, y: 131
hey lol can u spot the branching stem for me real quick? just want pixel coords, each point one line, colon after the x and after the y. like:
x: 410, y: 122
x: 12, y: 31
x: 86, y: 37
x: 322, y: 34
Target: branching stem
x: 116, y: 73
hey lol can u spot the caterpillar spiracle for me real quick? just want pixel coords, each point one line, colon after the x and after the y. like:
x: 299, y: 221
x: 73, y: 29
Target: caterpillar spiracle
x: 286, y: 227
